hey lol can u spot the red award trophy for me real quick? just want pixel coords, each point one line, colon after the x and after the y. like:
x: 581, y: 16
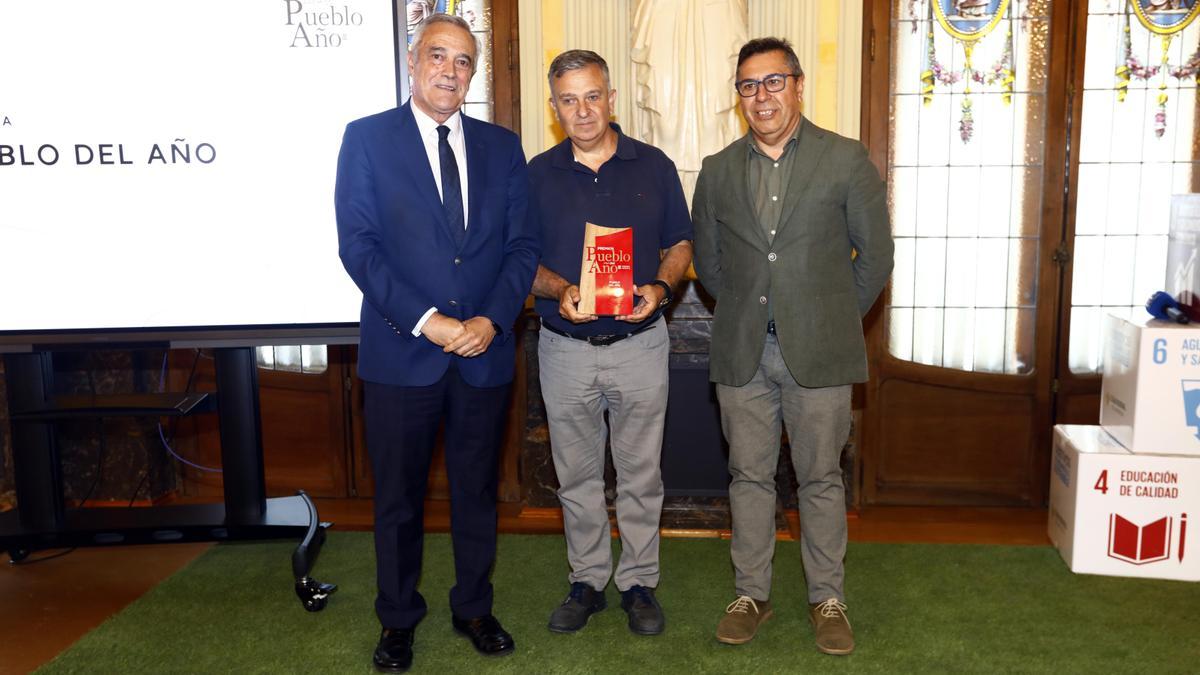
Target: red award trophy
x: 606, y: 275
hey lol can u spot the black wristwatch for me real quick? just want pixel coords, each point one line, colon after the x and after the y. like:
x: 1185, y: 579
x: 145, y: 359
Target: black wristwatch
x: 670, y: 294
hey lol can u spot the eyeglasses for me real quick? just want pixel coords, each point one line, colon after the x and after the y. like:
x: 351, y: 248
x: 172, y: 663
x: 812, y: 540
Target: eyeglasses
x: 773, y: 82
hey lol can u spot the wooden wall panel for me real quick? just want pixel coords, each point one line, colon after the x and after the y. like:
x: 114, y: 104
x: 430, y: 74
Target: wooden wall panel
x: 303, y: 430
x: 1078, y: 408
x: 303, y: 445
x: 990, y: 434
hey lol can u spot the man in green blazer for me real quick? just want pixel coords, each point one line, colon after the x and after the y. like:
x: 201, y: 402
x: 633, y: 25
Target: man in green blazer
x: 793, y: 242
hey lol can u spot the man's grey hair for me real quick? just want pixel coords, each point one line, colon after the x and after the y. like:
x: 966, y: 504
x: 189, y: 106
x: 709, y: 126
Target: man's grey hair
x: 419, y: 34
x: 576, y: 59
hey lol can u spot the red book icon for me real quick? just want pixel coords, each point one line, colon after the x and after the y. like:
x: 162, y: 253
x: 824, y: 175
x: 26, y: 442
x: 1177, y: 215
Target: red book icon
x: 1140, y: 545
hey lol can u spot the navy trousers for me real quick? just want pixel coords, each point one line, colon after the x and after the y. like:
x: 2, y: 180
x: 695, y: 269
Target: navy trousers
x: 401, y: 427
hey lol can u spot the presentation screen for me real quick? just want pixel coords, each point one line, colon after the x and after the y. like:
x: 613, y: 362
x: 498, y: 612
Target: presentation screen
x: 167, y: 167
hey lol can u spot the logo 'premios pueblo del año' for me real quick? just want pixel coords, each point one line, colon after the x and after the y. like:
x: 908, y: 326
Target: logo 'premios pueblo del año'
x: 319, y: 25
x: 608, y: 260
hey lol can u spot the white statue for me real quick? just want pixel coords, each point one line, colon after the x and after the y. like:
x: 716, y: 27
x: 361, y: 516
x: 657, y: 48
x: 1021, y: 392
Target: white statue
x: 685, y: 58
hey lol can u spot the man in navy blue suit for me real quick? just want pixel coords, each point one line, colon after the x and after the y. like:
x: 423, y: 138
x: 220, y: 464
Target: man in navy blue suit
x: 431, y: 226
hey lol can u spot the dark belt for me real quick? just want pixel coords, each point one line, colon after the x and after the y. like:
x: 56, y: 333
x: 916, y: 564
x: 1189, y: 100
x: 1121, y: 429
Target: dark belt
x: 597, y: 340
x: 771, y: 327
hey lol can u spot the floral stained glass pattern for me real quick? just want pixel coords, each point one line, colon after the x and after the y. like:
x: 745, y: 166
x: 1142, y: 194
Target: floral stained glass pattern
x: 1139, y: 146
x: 965, y: 167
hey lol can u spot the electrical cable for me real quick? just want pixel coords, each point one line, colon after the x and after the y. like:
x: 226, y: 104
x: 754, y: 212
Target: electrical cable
x: 150, y: 458
x: 167, y: 443
x: 161, y: 436
x: 103, y: 450
x: 52, y: 556
x: 136, y: 490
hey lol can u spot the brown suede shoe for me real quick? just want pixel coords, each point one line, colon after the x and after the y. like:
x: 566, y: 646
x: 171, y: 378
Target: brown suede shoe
x: 742, y: 618
x: 832, y: 627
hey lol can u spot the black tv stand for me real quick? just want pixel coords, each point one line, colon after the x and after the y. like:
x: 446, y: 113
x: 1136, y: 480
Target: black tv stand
x: 41, y: 520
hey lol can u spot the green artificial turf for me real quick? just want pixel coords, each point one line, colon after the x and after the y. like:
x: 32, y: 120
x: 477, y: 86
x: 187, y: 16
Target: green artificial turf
x: 915, y: 608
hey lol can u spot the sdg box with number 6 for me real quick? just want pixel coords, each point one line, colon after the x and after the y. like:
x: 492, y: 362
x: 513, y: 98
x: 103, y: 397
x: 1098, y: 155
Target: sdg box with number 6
x: 1117, y: 513
x: 1150, y: 396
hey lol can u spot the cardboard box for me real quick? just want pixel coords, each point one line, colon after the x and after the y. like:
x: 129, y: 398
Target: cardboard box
x: 1117, y: 513
x: 1150, y: 395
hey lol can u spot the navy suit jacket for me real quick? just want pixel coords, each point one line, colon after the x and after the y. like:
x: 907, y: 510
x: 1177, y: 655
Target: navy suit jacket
x: 396, y: 244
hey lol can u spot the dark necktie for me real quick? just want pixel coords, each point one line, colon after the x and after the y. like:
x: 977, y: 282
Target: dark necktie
x: 451, y: 187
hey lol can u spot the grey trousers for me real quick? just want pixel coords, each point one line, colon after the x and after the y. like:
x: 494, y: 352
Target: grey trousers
x: 818, y: 424
x: 628, y: 379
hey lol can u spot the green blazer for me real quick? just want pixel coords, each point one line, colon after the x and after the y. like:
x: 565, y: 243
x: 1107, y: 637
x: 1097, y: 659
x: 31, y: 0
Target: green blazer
x: 835, y: 204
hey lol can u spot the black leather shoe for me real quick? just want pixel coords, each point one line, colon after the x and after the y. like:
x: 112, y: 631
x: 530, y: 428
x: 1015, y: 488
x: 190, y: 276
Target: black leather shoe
x: 582, y: 602
x: 645, y: 614
x: 394, y: 654
x: 486, y: 633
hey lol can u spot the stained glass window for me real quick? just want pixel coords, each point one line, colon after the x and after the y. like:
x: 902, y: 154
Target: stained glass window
x: 1138, y: 147
x: 965, y: 163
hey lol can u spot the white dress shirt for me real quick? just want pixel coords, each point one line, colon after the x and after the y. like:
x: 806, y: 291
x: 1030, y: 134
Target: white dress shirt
x: 429, y: 138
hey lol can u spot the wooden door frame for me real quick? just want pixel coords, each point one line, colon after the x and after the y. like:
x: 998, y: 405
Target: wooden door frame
x: 1078, y: 394
x: 506, y: 65
x: 1040, y: 380
x: 1074, y: 390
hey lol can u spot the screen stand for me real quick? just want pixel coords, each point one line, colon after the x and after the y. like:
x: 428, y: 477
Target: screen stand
x: 41, y: 520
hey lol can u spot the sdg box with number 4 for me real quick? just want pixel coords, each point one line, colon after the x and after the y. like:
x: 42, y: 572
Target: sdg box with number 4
x: 1150, y: 396
x: 1117, y: 513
